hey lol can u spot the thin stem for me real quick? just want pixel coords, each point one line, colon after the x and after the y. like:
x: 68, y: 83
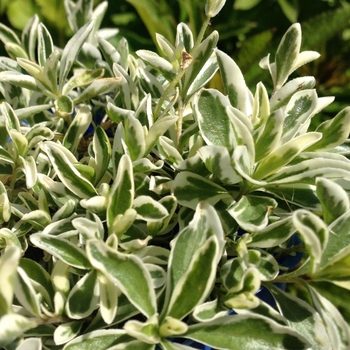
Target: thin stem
x: 182, y: 71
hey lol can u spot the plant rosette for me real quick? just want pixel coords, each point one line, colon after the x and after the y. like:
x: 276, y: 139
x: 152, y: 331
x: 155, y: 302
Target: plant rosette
x: 141, y: 209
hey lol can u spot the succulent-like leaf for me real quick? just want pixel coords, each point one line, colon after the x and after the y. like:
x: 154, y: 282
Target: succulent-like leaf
x: 213, y: 7
x: 122, y: 191
x: 188, y: 250
x: 12, y: 326
x: 213, y: 121
x: 314, y: 233
x: 8, y: 267
x: 66, y: 332
x: 234, y: 83
x: 336, y: 326
x: 188, y: 189
x: 104, y: 338
x: 71, y: 51
x: 333, y: 198
x: 197, y: 281
x: 160, y: 64
x: 62, y: 249
x: 127, y: 271
x: 108, y: 298
x: 243, y: 332
x: 286, y: 54
x: 26, y: 294
x: 252, y: 212
x: 69, y: 176
x: 284, y: 154
x: 83, y: 297
x: 334, y: 132
x: 148, y: 209
x: 273, y: 234
x: 302, y: 318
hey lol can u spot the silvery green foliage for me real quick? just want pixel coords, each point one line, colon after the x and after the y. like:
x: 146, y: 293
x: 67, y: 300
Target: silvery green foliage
x: 173, y: 209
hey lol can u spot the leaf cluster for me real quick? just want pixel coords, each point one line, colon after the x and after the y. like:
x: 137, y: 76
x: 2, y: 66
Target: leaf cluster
x: 140, y: 209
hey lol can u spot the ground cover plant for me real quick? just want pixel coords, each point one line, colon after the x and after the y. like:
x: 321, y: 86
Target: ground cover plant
x: 141, y: 209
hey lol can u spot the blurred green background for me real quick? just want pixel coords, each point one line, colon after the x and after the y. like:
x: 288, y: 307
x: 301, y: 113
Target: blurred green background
x: 249, y: 29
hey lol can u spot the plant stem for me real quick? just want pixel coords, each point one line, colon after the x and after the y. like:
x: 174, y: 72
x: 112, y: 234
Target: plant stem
x: 182, y: 71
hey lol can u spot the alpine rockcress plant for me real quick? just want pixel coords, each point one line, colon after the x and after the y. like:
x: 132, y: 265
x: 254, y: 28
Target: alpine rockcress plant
x: 141, y: 210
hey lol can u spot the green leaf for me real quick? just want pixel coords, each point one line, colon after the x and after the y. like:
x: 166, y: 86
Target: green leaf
x: 203, y: 77
x: 302, y: 318
x: 122, y: 192
x: 39, y: 277
x: 96, y: 88
x: 188, y: 189
x: 38, y: 133
x: 273, y: 234
x: 134, y: 137
x: 284, y: 95
x: 102, y: 151
x: 13, y: 326
x: 334, y: 132
x: 197, y: 282
x: 215, y: 131
x: 30, y: 170
x: 300, y: 108
x: 127, y: 271
x: 334, y: 200
x: 62, y: 249
x: 269, y: 136
x: 45, y: 44
x: 8, y: 270
x: 71, y: 51
x: 5, y: 214
x: 307, y: 170
x: 158, y: 129
x: 77, y: 128
x: 7, y: 35
x: 234, y: 83
x: 110, y: 53
x: 26, y: 294
x: 29, y: 36
x: 146, y: 332
x: 30, y: 343
x: 337, y: 328
x: 66, y: 332
x: 100, y: 339
x: 188, y: 250
x: 21, y: 80
x: 314, y: 233
x: 148, y: 209
x: 200, y: 58
x: 286, y: 54
x: 160, y: 64
x: 209, y: 311
x: 83, y: 297
x: 213, y: 7
x: 252, y: 212
x: 67, y: 173
x: 12, y: 121
x: 284, y: 154
x: 80, y: 79
x: 108, y: 298
x: 243, y: 332
x: 184, y: 37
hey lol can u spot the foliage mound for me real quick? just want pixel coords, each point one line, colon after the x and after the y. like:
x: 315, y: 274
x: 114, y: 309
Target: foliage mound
x: 141, y: 210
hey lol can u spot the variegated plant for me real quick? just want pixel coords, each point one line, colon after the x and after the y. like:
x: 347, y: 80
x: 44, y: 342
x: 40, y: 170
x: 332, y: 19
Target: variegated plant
x: 141, y: 210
